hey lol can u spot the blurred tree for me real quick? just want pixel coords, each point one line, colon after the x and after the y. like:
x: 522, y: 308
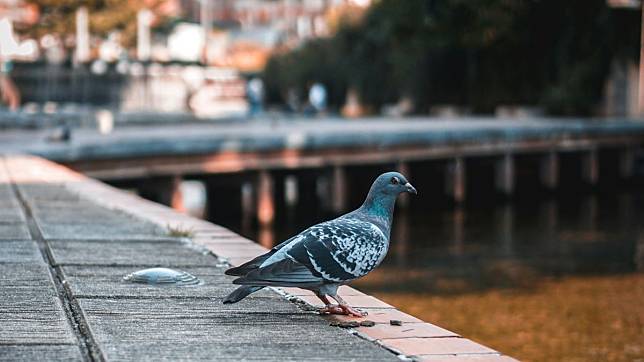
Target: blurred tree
x: 476, y: 53
x: 59, y: 17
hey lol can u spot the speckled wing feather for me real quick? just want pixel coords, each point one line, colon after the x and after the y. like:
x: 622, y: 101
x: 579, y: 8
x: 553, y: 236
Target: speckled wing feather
x: 344, y: 249
x: 334, y: 251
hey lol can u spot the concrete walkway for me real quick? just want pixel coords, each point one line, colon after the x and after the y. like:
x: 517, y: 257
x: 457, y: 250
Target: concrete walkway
x: 66, y: 242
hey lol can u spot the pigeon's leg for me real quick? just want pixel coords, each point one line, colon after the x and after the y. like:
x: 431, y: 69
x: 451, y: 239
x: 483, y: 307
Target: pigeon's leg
x: 329, y: 308
x: 347, y: 309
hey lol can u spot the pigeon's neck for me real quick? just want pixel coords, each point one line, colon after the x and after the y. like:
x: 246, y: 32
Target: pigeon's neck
x: 379, y: 208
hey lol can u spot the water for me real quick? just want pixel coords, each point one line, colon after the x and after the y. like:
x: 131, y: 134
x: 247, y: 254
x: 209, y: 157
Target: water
x: 539, y: 278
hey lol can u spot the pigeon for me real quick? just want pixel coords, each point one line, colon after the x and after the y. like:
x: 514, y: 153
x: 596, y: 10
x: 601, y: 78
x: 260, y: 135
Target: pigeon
x: 329, y: 254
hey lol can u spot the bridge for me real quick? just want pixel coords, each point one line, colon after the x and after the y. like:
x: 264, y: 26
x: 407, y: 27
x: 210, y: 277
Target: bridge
x: 262, y: 157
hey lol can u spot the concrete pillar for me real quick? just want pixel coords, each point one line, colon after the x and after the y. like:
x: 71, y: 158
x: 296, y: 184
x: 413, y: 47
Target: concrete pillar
x: 265, y: 199
x: 455, y: 179
x: 505, y: 175
x: 247, y: 206
x: 164, y: 190
x: 266, y: 236
x: 339, y: 190
x: 176, y: 196
x: 291, y: 191
x: 458, y: 231
x: 639, y: 252
x: 401, y: 237
x: 626, y: 163
x: 323, y: 190
x: 590, y: 212
x: 403, y: 199
x: 549, y: 221
x: 505, y: 222
x: 549, y: 172
x: 590, y: 167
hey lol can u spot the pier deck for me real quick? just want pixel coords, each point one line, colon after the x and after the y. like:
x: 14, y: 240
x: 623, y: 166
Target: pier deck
x: 210, y: 148
x: 66, y: 241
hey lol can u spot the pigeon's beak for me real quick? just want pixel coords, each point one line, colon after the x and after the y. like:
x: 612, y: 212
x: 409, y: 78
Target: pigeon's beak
x: 411, y: 189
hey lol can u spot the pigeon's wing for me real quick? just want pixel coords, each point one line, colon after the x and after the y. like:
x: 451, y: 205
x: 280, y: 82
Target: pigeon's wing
x: 331, y: 252
x: 286, y: 273
x: 279, y: 267
x: 257, y: 261
x: 342, y: 249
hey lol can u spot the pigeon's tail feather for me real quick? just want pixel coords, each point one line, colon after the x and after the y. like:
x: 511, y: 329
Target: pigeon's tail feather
x: 248, y: 266
x: 241, y: 293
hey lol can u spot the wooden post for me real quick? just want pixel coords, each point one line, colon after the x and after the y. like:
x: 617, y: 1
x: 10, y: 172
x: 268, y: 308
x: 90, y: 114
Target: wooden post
x: 403, y: 199
x: 455, y: 179
x: 590, y: 167
x: 626, y: 163
x: 505, y: 175
x: 339, y: 186
x: 265, y: 201
x: 550, y: 170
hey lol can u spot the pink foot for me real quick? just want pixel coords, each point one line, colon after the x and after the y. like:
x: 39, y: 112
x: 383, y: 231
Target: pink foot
x: 332, y: 309
x: 352, y: 312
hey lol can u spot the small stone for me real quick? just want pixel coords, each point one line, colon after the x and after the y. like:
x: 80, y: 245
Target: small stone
x: 367, y: 323
x: 334, y: 324
x: 395, y: 322
x: 350, y: 324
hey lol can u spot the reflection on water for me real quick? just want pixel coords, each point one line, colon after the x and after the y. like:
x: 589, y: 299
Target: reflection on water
x: 458, y: 250
x: 548, y: 265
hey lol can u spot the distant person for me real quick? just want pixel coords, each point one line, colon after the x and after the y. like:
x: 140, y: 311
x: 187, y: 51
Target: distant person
x: 10, y: 93
x: 255, y: 94
x: 292, y: 100
x: 317, y: 97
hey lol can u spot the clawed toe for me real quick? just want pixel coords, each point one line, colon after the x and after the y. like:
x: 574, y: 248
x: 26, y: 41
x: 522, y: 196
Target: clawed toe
x: 332, y: 309
x: 353, y: 312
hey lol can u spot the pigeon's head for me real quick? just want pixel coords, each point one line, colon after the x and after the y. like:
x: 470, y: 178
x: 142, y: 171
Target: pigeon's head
x: 392, y: 183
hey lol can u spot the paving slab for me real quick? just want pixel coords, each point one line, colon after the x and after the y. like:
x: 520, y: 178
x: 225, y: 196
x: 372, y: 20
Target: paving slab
x: 18, y: 279
x: 30, y: 310
x: 198, y: 330
x: 81, y: 214
x: 102, y: 282
x: 73, y: 230
x: 14, y: 230
x: 21, y: 251
x: 133, y: 252
x: 30, y: 353
x: 39, y: 191
x: 10, y: 213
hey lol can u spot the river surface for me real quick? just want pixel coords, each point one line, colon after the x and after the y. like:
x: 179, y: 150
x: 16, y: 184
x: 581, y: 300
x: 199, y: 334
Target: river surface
x: 541, y: 279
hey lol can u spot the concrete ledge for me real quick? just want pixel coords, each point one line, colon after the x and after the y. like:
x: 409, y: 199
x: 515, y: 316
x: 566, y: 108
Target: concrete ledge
x: 417, y: 338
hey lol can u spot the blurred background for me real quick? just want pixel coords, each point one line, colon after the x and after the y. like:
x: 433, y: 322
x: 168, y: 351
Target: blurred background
x: 183, y: 101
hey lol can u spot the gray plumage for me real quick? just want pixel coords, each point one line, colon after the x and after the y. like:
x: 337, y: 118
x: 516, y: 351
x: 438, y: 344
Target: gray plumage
x: 329, y: 254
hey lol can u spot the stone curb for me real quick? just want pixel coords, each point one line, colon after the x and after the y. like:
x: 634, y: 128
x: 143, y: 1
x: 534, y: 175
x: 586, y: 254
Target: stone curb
x: 414, y: 338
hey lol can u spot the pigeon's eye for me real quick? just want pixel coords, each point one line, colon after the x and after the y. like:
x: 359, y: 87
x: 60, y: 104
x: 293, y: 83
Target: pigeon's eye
x: 395, y: 181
